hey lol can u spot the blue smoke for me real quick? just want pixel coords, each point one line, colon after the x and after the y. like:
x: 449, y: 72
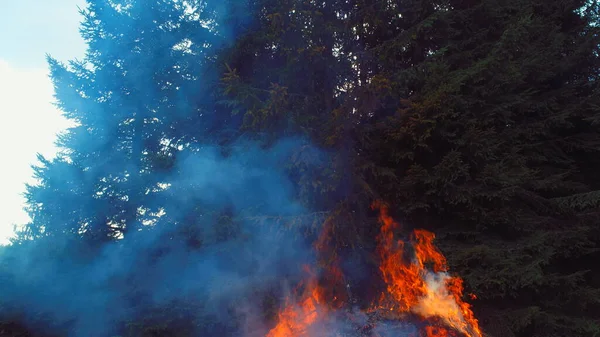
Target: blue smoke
x: 211, y: 235
x: 59, y: 286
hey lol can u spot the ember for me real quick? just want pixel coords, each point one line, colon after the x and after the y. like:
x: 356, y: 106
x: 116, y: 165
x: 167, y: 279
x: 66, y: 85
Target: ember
x: 420, y: 294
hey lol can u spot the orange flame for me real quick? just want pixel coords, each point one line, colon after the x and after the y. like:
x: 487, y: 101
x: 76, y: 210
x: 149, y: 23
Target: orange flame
x: 417, y: 284
x: 433, y: 331
x: 295, y: 320
x: 411, y: 287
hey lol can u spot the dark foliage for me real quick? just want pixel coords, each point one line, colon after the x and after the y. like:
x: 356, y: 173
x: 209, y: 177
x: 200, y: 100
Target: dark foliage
x: 478, y: 119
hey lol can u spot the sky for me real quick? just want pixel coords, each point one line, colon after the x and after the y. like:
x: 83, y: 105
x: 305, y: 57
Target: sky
x: 30, y: 29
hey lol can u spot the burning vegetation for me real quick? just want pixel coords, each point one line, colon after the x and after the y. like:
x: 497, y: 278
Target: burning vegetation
x: 421, y: 298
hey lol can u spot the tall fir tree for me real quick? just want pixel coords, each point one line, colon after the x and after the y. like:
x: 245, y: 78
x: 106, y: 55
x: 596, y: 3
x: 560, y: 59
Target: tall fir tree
x: 139, y: 97
x: 151, y: 175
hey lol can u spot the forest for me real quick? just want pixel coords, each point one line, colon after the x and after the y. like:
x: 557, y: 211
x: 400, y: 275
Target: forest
x: 235, y: 163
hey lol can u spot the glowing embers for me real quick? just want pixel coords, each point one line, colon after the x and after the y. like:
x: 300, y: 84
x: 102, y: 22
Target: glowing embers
x: 421, y: 299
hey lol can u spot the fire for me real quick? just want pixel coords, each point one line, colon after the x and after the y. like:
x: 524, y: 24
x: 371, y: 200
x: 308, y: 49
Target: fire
x: 433, y: 331
x: 418, y: 286
x: 296, y: 319
x: 411, y: 287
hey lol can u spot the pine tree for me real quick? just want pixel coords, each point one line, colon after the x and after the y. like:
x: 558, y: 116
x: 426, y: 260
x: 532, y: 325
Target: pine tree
x: 153, y: 185
x: 139, y: 97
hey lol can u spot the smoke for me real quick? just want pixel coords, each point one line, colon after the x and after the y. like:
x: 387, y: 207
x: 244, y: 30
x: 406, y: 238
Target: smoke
x: 59, y: 287
x: 211, y: 239
x: 210, y: 250
x: 395, y: 329
x: 347, y: 322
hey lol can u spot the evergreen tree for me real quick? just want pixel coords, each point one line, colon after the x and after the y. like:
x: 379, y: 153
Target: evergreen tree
x: 157, y: 206
x: 140, y: 96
